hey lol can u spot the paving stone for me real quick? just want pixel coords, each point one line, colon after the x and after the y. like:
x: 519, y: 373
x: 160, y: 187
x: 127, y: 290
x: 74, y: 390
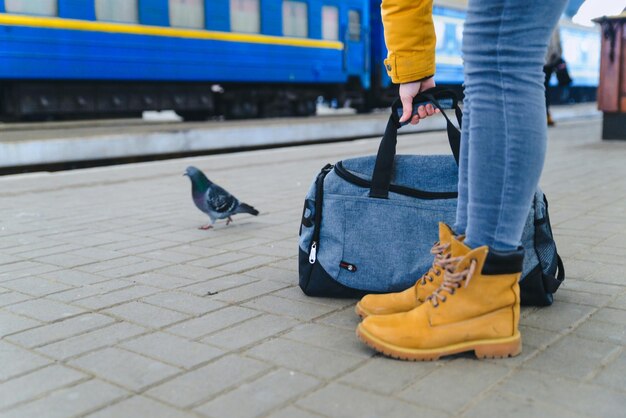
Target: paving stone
x: 498, y: 405
x: 66, y: 260
x: 8, y: 259
x: 132, y: 269
x: 329, y: 337
x: 163, y: 281
x: 10, y: 323
x: 256, y: 398
x: 589, y: 287
x: 556, y: 359
x: 117, y: 297
x: 171, y: 349
x: 35, y: 286
x: 9, y: 298
x: 139, y: 406
x: 218, y: 285
x: 201, y: 384
x: 582, y: 298
x: 272, y: 273
x: 602, y: 331
x: 387, y: 376
x: 99, y: 338
x: 22, y: 269
x: 36, y: 383
x: 566, y: 394
x: 72, y: 401
x: 247, y: 264
x: 86, y: 291
x: 73, y: 277
x: 97, y: 253
x: 146, y: 315
x: 535, y: 337
x: 193, y: 272
x: 293, y: 412
x: 219, y: 260
x: 612, y: 316
x: 290, y: 265
x: 173, y: 257
x: 184, y: 302
x: 124, y: 368
x: 248, y: 332
x: 211, y: 322
x: 558, y: 317
x: 436, y: 390
x: 249, y: 291
x: 44, y: 310
x: 294, y: 355
x: 60, y: 330
x: 333, y: 399
x: 103, y: 266
x: 613, y: 375
x: 294, y: 293
x: 280, y: 306
x: 345, y: 318
x: 16, y: 361
x: 619, y: 302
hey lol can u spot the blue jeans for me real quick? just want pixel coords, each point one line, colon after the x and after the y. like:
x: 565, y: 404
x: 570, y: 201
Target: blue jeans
x: 503, y: 141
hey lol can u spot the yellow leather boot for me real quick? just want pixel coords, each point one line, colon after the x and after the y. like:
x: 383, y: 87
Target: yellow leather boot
x: 415, y: 295
x: 476, y: 308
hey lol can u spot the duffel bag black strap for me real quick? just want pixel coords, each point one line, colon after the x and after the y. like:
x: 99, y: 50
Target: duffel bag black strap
x: 551, y: 283
x: 438, y: 97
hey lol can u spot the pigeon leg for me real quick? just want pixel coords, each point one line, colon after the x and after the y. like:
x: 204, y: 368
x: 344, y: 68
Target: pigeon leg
x: 205, y: 227
x: 229, y: 220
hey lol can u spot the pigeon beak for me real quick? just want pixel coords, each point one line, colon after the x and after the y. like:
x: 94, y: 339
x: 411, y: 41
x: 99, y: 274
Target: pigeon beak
x: 185, y: 174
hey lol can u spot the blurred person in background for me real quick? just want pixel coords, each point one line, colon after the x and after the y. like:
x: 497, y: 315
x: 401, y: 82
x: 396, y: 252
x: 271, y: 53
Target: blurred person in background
x: 554, y: 57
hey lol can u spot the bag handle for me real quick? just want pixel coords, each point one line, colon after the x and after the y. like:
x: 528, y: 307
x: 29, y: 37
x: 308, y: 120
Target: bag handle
x: 439, y: 97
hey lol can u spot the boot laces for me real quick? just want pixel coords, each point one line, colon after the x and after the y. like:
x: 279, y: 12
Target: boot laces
x: 452, y: 280
x: 438, y: 251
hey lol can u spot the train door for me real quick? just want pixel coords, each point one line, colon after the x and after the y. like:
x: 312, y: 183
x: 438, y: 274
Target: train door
x: 356, y: 41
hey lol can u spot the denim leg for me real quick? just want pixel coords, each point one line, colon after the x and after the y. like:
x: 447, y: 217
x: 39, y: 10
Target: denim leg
x: 461, y: 210
x: 504, y: 45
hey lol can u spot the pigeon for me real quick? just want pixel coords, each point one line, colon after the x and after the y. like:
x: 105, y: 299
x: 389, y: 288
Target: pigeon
x: 213, y: 200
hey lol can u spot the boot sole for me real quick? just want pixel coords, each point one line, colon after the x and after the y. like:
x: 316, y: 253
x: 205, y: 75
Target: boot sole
x: 493, y: 348
x: 362, y: 313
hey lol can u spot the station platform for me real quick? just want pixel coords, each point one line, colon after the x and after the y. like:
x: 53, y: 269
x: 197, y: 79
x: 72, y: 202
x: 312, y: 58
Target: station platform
x: 114, y: 304
x: 47, y: 143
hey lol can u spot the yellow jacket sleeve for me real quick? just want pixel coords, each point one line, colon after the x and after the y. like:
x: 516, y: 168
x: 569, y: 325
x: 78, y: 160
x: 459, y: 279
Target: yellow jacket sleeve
x: 410, y: 39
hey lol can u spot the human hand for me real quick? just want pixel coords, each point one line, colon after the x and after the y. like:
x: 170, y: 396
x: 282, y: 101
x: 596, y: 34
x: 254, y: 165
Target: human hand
x: 407, y: 92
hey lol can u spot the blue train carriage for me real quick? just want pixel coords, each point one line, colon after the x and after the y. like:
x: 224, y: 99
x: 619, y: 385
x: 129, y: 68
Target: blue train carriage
x: 241, y: 58
x: 581, y: 49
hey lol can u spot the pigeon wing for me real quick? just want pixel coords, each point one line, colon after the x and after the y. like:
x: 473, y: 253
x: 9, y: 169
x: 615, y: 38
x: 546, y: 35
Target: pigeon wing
x: 220, y: 201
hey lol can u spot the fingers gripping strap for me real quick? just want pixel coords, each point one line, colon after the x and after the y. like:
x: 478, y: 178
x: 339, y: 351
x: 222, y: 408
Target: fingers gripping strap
x: 383, y: 168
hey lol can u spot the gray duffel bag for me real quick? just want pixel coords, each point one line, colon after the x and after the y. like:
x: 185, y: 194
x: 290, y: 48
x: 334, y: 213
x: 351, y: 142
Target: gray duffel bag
x: 368, y: 223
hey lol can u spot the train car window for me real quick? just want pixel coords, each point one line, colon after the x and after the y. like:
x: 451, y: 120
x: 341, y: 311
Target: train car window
x: 245, y: 16
x: 117, y: 10
x: 187, y: 13
x: 354, y: 25
x: 32, y: 7
x: 330, y: 23
x: 295, y: 20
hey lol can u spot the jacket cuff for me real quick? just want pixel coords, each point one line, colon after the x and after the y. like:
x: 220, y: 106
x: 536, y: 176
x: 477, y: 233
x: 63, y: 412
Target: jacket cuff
x: 405, y: 69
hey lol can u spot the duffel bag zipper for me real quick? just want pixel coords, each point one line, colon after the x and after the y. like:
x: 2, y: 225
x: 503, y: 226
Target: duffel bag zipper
x: 319, y: 199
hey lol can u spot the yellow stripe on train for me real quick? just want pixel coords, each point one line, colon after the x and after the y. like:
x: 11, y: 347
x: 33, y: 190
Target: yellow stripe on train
x: 133, y: 29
